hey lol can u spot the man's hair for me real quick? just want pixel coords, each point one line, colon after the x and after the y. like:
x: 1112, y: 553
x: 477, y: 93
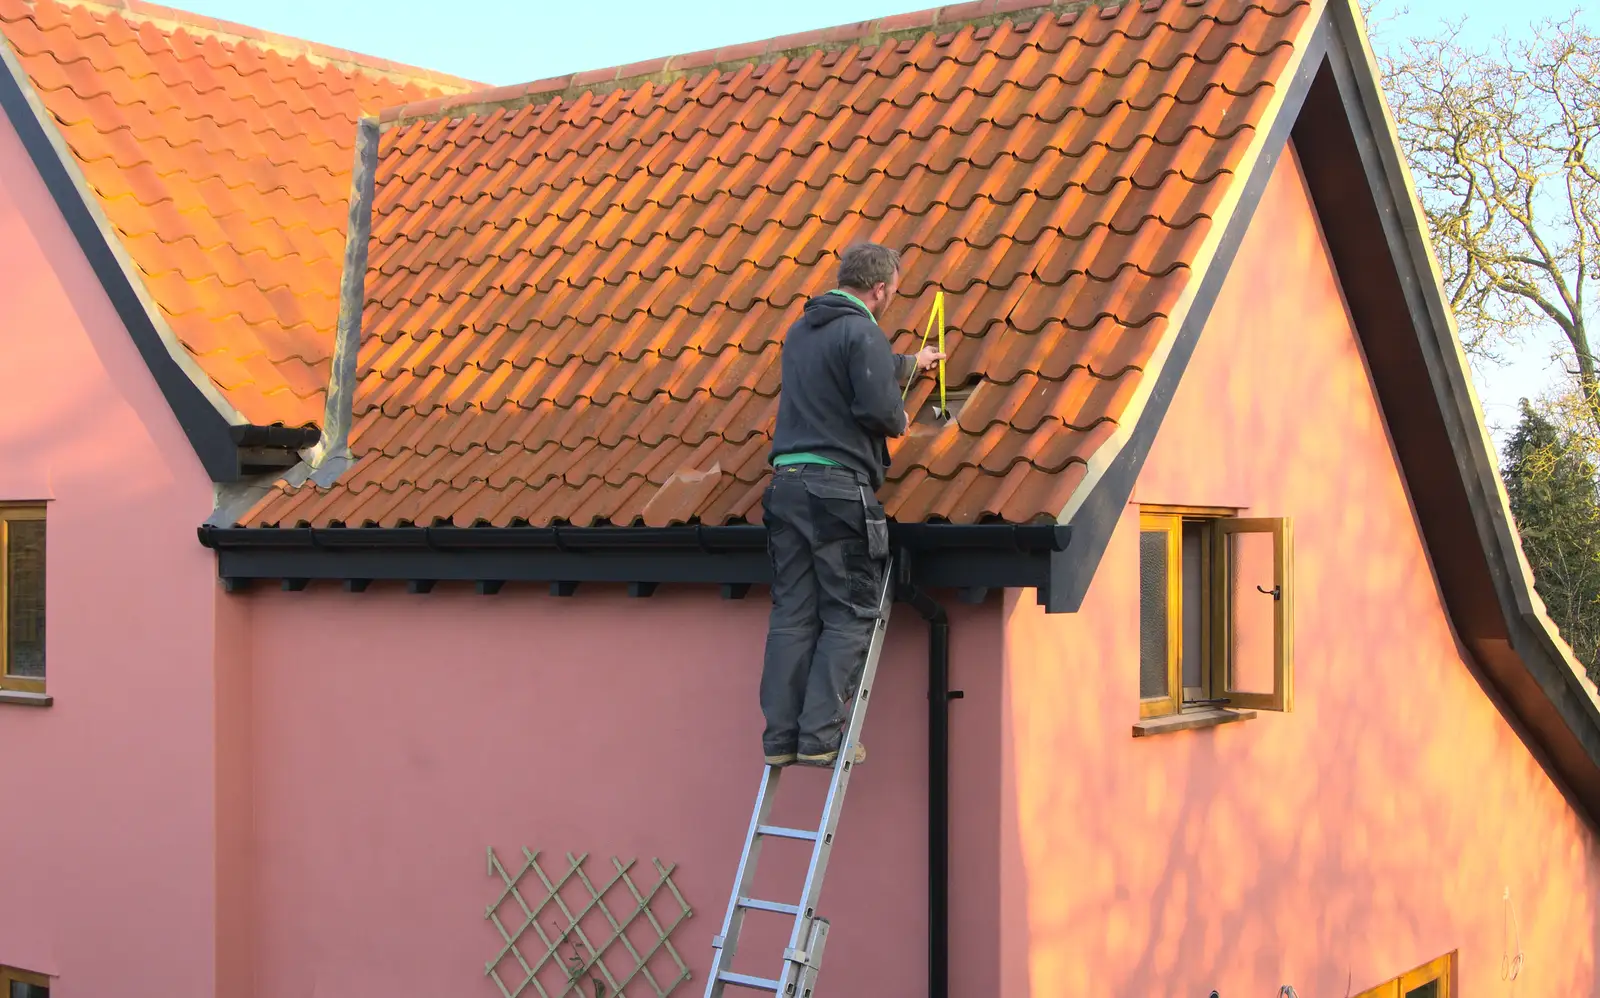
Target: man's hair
x: 865, y: 264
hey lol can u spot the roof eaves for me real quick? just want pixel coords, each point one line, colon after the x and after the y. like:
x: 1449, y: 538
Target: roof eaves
x: 971, y: 558
x: 202, y: 411
x: 660, y: 72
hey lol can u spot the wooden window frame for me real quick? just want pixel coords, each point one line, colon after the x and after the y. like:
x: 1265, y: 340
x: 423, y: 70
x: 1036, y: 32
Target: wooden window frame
x: 1282, y: 696
x: 1441, y: 970
x: 1172, y: 526
x: 11, y: 513
x: 1216, y: 666
x: 10, y: 975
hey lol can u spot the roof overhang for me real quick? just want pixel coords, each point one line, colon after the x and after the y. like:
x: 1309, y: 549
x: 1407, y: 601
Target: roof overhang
x: 970, y: 558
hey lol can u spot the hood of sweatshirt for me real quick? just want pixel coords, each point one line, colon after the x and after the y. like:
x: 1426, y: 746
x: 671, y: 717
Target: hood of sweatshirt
x: 825, y: 308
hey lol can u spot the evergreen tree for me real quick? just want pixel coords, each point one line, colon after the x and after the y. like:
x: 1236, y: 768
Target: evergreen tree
x: 1552, y: 486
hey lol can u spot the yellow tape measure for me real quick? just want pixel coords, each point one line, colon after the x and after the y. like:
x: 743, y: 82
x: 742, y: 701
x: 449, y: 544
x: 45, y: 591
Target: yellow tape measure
x: 935, y: 318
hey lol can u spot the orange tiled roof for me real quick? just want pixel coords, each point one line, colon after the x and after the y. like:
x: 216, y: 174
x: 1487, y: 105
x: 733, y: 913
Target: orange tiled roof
x: 221, y: 156
x: 576, y: 289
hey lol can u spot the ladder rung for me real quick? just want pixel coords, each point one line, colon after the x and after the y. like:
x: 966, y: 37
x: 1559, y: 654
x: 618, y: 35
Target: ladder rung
x: 777, y: 906
x: 747, y: 981
x: 777, y: 831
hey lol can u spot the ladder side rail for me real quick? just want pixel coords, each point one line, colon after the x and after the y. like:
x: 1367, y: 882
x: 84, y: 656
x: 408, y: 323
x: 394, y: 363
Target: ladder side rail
x: 806, y: 980
x: 727, y: 943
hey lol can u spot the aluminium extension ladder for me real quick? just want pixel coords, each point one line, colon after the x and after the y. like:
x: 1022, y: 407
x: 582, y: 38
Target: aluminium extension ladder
x: 801, y: 963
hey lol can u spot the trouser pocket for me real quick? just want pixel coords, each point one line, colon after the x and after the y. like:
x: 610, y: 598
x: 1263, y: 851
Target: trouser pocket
x: 866, y: 576
x: 842, y: 550
x: 877, y: 529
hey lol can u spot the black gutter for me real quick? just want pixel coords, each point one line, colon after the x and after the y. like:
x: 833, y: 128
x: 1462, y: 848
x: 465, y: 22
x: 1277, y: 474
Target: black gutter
x: 939, y: 697
x: 972, y: 557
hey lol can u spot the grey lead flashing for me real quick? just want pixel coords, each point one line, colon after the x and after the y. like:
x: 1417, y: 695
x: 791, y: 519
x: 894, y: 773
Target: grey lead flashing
x: 329, y: 457
x: 1094, y: 521
x: 201, y: 410
x: 332, y: 456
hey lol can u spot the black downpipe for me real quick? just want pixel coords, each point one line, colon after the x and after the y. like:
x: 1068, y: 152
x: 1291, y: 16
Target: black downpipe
x: 939, y: 697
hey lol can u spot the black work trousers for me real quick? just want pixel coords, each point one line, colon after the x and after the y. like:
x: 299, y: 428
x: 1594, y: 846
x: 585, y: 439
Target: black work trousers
x: 825, y: 588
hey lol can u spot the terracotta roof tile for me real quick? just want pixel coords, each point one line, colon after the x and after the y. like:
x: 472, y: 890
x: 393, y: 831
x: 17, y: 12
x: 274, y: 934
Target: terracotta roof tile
x: 221, y: 156
x: 576, y: 291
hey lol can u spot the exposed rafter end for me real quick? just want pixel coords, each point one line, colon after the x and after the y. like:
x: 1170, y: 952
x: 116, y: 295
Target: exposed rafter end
x: 356, y: 585
x: 735, y: 590
x: 488, y: 587
x: 972, y: 595
x: 563, y: 588
x: 231, y: 584
x: 294, y: 585
x: 420, y: 586
x: 641, y: 590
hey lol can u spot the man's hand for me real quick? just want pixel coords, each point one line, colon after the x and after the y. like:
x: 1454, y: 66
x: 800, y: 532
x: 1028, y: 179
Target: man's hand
x: 927, y: 357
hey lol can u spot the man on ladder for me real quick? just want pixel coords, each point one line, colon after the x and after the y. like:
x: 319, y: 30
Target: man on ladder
x: 840, y: 399
x: 831, y: 590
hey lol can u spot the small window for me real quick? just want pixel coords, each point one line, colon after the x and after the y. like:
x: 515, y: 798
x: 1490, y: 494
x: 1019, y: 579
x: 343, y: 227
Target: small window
x: 1431, y: 980
x: 1214, y: 611
x: 21, y: 984
x: 22, y: 599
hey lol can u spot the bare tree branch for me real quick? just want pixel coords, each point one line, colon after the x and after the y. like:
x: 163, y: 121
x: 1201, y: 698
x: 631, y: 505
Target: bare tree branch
x: 1499, y: 141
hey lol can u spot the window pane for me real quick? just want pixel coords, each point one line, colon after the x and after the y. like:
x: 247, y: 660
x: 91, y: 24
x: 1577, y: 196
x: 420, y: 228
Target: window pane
x: 1252, y: 612
x: 1152, y: 614
x: 21, y: 990
x: 1428, y: 990
x: 1193, y: 601
x: 24, y: 631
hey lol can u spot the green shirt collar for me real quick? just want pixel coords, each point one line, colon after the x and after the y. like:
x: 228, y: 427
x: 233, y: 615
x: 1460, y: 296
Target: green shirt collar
x: 858, y: 301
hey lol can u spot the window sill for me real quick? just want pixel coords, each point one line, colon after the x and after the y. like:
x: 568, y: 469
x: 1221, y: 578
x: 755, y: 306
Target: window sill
x: 22, y: 699
x: 1188, y: 720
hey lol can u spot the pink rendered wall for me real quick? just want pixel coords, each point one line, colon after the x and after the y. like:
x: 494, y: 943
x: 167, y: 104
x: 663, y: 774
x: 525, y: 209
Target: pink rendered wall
x: 1375, y: 827
x: 397, y: 736
x: 107, y: 799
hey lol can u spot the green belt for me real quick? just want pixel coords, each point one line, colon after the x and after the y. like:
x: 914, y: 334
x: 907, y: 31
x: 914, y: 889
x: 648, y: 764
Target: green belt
x: 803, y: 458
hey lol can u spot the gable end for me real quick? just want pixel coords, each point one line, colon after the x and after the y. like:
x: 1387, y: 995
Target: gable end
x: 1350, y: 157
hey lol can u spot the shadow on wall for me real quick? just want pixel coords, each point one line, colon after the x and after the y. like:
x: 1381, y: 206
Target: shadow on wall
x: 1341, y: 844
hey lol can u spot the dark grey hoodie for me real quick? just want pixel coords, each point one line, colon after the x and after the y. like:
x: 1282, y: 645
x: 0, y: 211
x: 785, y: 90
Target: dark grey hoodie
x: 840, y: 397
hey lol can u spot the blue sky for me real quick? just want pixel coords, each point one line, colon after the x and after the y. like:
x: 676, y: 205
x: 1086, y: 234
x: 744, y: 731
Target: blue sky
x: 514, y: 41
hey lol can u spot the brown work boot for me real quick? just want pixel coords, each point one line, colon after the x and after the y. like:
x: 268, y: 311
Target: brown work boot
x: 828, y: 758
x: 782, y: 759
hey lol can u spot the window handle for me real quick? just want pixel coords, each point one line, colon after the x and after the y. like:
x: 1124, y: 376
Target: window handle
x: 1276, y: 592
